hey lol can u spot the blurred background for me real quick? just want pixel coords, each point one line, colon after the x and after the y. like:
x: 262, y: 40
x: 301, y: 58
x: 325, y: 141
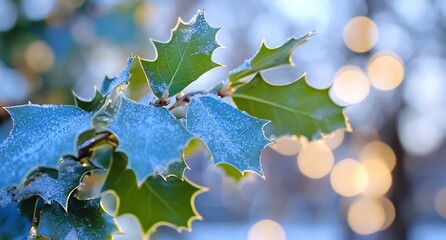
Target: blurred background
x: 385, y: 59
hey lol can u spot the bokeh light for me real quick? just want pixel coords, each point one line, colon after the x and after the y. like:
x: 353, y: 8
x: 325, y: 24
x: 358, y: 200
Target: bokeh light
x: 14, y: 86
x: 266, y: 230
x: 8, y: 15
x: 360, y: 34
x: 380, y: 179
x: 334, y: 139
x: 389, y: 210
x: 287, y: 145
x: 440, y: 202
x: 385, y: 71
x: 349, y: 178
x: 315, y: 160
x: 378, y: 151
x: 38, y: 9
x: 420, y: 135
x: 39, y: 57
x: 366, y: 216
x: 350, y: 85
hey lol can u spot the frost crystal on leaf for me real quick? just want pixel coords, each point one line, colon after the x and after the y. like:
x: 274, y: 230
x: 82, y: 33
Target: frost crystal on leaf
x: 59, y: 188
x: 150, y: 136
x: 40, y: 136
x: 231, y: 135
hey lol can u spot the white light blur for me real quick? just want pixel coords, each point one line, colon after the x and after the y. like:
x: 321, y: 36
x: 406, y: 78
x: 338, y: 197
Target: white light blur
x: 14, y: 87
x: 394, y: 37
x: 419, y: 134
x: 38, y: 9
x: 425, y: 83
x: 8, y: 15
x: 307, y: 12
x: 418, y: 14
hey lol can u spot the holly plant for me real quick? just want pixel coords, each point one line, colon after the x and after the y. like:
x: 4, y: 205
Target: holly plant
x: 69, y: 171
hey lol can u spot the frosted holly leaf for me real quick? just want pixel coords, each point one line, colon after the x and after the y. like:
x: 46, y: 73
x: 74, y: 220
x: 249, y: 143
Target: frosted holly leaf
x: 232, y: 136
x: 7, y: 196
x: 176, y: 169
x: 150, y: 136
x: 90, y: 105
x: 184, y: 58
x: 160, y: 201
x: 294, y: 108
x: 16, y: 219
x: 84, y: 220
x: 267, y: 58
x: 56, y: 187
x: 40, y: 136
x: 110, y: 84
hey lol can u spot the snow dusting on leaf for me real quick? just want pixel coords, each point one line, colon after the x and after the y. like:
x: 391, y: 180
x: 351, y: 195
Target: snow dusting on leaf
x: 150, y: 136
x: 232, y: 136
x: 84, y: 220
x: 40, y: 136
x: 56, y: 189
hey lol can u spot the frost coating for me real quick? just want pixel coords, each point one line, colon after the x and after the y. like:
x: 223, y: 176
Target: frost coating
x: 56, y: 189
x: 183, y: 59
x: 40, y: 136
x: 231, y: 135
x: 110, y: 84
x: 150, y: 136
x: 246, y: 65
x: 84, y: 220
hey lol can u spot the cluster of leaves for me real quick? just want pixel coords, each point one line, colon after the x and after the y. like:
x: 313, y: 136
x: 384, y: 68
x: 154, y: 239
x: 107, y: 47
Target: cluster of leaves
x: 87, y: 164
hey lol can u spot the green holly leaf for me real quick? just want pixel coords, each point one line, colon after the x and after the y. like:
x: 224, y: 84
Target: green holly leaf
x: 92, y: 104
x: 231, y: 171
x: 232, y: 136
x: 109, y: 84
x: 16, y: 219
x: 295, y: 108
x: 138, y: 84
x: 84, y: 220
x: 267, y: 58
x: 183, y: 59
x: 161, y: 201
x: 56, y: 188
x: 150, y: 136
x: 40, y: 136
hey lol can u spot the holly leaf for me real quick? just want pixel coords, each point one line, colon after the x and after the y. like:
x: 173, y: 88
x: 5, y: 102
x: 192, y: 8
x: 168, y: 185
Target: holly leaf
x: 90, y: 105
x: 56, y: 188
x: 150, y: 136
x: 267, y: 58
x: 184, y: 58
x: 138, y: 84
x: 232, y: 136
x: 231, y: 171
x: 16, y: 219
x: 84, y: 220
x: 40, y: 136
x: 176, y: 169
x: 109, y: 84
x: 161, y: 201
x: 294, y: 108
